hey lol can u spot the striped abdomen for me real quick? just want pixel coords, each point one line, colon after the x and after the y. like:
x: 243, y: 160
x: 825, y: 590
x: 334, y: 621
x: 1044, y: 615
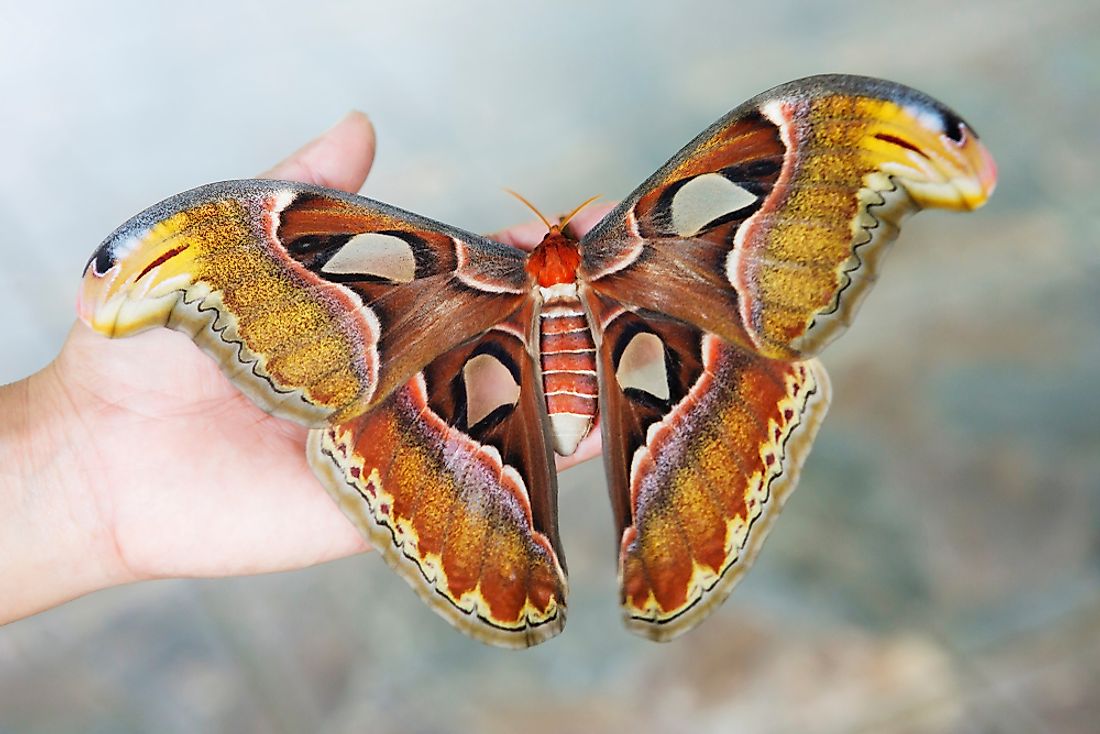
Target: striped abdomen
x: 568, y: 366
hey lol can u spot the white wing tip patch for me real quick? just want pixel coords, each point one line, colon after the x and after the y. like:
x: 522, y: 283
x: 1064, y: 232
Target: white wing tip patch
x: 374, y: 254
x: 705, y: 199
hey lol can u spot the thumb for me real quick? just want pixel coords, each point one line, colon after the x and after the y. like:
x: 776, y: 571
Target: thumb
x: 339, y: 158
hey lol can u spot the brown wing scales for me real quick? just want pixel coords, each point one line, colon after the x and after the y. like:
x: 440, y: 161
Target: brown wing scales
x: 464, y: 510
x: 328, y: 298
x: 697, y: 479
x: 777, y: 258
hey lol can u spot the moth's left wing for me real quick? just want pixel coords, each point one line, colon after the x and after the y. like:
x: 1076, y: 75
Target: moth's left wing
x: 317, y: 304
x: 452, y: 480
x: 703, y: 442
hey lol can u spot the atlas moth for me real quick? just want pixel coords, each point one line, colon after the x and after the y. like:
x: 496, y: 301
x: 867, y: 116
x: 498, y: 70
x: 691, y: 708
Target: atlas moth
x: 440, y: 371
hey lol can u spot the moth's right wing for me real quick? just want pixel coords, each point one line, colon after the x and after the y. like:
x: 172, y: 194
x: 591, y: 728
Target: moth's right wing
x: 768, y: 229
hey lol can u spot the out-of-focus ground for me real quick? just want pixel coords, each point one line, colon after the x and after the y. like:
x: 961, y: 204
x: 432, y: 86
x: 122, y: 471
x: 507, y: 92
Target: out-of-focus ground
x: 938, y: 569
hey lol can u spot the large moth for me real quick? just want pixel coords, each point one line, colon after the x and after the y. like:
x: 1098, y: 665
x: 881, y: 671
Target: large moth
x: 440, y: 371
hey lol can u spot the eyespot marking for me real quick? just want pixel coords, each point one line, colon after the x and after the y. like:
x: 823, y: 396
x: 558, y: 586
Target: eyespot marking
x: 102, y: 260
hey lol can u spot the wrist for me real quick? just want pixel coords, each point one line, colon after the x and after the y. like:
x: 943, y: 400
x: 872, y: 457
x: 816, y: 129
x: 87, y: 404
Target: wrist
x: 54, y: 542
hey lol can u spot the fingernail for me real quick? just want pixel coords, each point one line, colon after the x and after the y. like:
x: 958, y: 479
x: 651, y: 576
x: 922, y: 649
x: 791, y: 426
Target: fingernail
x: 347, y: 117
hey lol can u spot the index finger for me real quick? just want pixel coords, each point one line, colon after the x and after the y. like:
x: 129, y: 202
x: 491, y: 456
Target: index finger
x: 340, y: 158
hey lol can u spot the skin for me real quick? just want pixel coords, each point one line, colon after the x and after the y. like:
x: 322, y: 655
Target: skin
x: 135, y: 459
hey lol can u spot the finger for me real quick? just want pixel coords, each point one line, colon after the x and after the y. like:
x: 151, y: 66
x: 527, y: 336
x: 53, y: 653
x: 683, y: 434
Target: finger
x: 589, y: 448
x: 339, y: 159
x: 526, y: 236
x: 588, y: 217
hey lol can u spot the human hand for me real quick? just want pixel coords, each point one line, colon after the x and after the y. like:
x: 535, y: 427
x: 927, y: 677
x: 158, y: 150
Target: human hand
x: 137, y: 459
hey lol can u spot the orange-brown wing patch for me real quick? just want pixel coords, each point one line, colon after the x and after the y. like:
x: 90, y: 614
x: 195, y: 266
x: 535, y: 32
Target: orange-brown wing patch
x: 709, y: 482
x: 703, y: 443
x: 464, y: 512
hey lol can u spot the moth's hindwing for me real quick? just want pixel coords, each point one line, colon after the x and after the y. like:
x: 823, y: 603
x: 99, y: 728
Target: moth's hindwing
x: 768, y: 229
x: 703, y: 443
x: 452, y: 480
x: 317, y: 304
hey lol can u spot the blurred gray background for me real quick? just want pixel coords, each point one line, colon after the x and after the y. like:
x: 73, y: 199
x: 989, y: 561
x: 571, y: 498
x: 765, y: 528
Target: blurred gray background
x: 937, y: 571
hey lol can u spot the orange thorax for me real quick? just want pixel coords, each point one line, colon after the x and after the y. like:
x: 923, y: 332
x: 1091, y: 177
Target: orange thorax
x: 555, y: 260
